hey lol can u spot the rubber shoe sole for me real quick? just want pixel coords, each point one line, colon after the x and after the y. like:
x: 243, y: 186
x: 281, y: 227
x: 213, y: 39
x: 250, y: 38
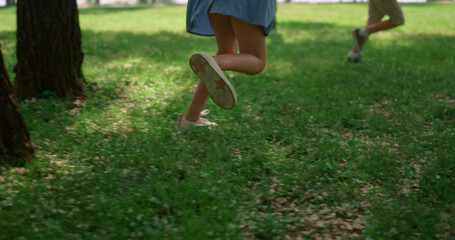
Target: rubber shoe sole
x: 218, y: 86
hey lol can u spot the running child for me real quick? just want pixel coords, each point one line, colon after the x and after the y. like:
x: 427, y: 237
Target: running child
x: 377, y: 9
x: 240, y: 28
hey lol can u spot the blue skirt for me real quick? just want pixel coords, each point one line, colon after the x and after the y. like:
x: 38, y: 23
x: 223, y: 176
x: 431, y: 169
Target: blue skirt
x: 256, y: 12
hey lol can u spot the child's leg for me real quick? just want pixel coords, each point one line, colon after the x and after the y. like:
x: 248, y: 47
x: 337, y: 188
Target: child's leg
x: 377, y: 10
x: 380, y: 26
x: 227, y: 44
x: 197, y: 103
x: 375, y: 15
x: 251, y: 60
x: 377, y: 27
x: 253, y: 50
x: 390, y: 8
x: 226, y: 39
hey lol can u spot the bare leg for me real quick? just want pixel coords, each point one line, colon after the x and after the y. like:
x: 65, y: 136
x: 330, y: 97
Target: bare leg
x: 377, y: 27
x: 251, y: 60
x: 197, y: 103
x: 253, y: 50
x: 227, y: 44
x: 380, y: 26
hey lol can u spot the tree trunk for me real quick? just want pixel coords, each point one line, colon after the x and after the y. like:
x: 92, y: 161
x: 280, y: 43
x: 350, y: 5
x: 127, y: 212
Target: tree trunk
x: 49, y: 49
x: 15, y: 144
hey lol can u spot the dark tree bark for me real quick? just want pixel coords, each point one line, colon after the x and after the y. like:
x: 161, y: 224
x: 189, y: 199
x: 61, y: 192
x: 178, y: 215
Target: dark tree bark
x: 49, y: 49
x: 15, y: 144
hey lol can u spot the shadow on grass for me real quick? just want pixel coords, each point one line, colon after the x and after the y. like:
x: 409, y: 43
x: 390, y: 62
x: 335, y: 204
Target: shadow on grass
x: 312, y: 67
x: 315, y: 63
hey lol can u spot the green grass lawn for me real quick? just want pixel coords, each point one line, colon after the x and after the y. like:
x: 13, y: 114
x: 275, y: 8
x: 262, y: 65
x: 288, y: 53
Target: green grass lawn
x: 316, y: 147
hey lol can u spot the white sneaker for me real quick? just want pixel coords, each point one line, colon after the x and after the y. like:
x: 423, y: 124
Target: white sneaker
x: 354, y: 57
x: 359, y: 40
x: 217, y: 84
x: 201, y: 122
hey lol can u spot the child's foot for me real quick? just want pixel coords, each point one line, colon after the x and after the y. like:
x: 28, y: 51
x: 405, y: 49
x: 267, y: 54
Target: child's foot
x: 358, y: 39
x: 201, y: 122
x: 218, y: 86
x: 354, y: 57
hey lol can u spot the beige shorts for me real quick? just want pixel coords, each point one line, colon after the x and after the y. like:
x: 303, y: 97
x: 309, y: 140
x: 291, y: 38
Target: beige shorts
x: 379, y: 8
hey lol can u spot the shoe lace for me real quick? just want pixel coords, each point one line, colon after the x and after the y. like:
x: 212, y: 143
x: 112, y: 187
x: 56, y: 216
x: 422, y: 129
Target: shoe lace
x: 203, y: 121
x: 205, y: 112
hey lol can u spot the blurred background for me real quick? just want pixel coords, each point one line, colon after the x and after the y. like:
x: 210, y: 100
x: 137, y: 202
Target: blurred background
x: 135, y: 2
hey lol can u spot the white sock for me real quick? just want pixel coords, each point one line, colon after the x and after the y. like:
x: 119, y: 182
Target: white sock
x: 363, y: 32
